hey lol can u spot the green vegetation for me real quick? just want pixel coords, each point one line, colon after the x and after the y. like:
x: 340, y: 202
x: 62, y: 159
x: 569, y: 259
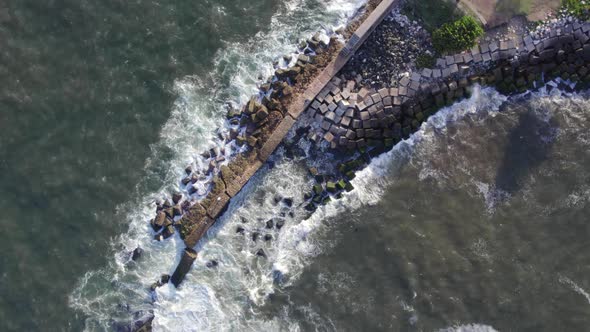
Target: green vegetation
x: 432, y: 13
x: 578, y: 8
x: 457, y: 36
x: 425, y: 61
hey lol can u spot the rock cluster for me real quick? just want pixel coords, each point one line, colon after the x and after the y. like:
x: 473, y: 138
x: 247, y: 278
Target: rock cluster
x: 349, y: 116
x: 388, y: 53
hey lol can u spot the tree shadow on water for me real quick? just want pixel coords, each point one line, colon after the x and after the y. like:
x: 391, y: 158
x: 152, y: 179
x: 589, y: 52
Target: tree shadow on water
x: 529, y: 144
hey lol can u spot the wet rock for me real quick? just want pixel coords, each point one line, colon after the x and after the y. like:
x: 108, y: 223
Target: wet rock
x: 277, y: 199
x: 261, y: 253
x: 188, y: 170
x: 267, y: 237
x: 168, y: 231
x: 255, y: 236
x: 280, y: 223
x: 240, y: 230
x: 212, y: 263
x: 288, y: 201
x: 164, y: 278
x: 169, y: 212
x: 137, y: 252
x: 243, y: 220
x: 331, y: 187
x: 177, y: 210
x: 186, y: 180
x: 270, y: 224
x: 159, y: 221
x: 317, y: 189
x: 142, y: 322
x: 176, y: 197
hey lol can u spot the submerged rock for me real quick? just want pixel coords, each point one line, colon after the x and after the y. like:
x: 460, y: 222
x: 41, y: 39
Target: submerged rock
x: 137, y: 252
x: 212, y: 263
x: 261, y: 253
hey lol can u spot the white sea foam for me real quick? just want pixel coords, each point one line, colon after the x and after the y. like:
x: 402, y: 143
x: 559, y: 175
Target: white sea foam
x: 469, y: 328
x: 575, y: 287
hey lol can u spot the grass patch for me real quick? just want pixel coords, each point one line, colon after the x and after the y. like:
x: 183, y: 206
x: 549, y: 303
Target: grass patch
x: 457, y: 36
x: 578, y: 8
x: 431, y: 13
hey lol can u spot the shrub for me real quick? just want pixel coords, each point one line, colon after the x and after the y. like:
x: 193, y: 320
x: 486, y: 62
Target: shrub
x: 578, y: 8
x: 457, y: 36
x: 425, y: 61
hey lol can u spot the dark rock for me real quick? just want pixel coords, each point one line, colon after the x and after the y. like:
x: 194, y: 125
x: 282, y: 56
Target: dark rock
x: 212, y: 263
x: 277, y: 199
x: 267, y: 237
x: 168, y: 231
x: 270, y: 224
x: 280, y: 223
x: 177, y: 210
x: 288, y: 201
x: 240, y: 230
x: 176, y: 197
x: 165, y: 278
x: 260, y: 253
x: 159, y: 221
x: 136, y: 254
x: 255, y: 236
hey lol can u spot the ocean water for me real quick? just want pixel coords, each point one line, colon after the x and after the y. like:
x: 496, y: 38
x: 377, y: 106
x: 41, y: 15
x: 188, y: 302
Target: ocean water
x: 102, y: 104
x: 478, y: 222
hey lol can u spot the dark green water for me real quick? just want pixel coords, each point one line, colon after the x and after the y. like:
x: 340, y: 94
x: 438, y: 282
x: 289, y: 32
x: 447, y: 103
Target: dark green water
x: 482, y: 223
x: 86, y: 88
x: 479, y: 221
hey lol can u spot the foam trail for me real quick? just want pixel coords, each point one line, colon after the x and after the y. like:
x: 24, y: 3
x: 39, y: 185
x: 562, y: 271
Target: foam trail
x: 469, y: 328
x: 575, y: 287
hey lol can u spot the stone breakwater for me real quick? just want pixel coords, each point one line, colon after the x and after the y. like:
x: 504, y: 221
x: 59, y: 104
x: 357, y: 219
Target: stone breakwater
x: 352, y: 112
x: 253, y: 133
x: 351, y: 116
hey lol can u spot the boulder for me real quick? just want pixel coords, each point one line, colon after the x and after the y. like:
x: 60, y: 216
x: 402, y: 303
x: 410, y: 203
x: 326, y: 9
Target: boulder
x: 317, y: 189
x: 176, y: 197
x: 159, y: 221
x: 177, y: 210
x: 168, y: 231
x: 261, y: 253
x: 136, y: 254
x: 331, y: 187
